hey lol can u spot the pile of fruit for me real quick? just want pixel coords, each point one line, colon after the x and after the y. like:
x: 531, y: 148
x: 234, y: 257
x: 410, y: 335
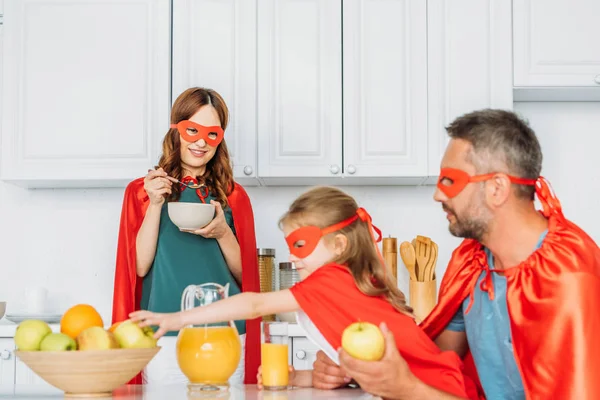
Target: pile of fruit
x: 82, y: 328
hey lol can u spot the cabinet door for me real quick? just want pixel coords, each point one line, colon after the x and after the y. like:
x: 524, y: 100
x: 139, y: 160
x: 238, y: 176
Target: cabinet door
x: 7, y: 357
x: 469, y: 64
x: 214, y: 46
x: 385, y: 88
x: 299, y: 88
x: 25, y: 376
x: 304, y: 353
x: 86, y: 90
x: 556, y: 42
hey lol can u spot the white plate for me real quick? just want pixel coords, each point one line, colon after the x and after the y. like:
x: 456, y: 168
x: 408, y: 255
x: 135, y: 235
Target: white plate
x: 51, y: 318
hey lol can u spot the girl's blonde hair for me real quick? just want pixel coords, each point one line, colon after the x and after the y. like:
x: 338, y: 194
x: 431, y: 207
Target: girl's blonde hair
x: 325, y: 206
x: 219, y: 174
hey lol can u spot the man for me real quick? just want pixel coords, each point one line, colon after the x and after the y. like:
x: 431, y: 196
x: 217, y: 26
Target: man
x: 519, y: 297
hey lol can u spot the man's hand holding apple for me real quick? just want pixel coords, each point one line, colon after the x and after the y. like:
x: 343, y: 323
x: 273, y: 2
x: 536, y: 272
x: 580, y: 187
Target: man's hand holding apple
x: 389, y: 377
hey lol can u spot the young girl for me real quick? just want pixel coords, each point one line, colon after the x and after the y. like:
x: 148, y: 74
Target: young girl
x: 156, y: 261
x: 343, y: 280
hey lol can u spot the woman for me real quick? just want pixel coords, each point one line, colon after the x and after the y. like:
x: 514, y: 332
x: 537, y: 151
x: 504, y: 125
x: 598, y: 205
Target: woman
x: 156, y: 260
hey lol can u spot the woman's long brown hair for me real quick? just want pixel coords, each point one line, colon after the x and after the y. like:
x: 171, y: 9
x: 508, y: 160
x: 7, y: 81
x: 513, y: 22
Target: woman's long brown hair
x: 325, y: 206
x: 219, y: 174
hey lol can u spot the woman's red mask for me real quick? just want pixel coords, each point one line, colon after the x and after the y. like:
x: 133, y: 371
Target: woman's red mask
x: 192, y: 132
x: 303, y: 241
x: 452, y: 181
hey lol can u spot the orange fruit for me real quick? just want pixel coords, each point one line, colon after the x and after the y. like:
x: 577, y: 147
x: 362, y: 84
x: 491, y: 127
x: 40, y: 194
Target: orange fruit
x: 78, y: 318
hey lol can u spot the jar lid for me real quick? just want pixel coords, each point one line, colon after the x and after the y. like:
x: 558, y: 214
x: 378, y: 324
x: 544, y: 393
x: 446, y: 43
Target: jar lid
x: 287, y: 265
x: 265, y: 252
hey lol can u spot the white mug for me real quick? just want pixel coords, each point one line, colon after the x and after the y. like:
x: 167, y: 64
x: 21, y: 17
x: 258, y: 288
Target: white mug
x: 35, y: 300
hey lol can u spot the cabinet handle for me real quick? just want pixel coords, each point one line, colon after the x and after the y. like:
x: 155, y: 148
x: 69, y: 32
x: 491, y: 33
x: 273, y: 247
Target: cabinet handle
x: 597, y: 79
x: 301, y: 355
x: 334, y: 169
x: 351, y: 169
x: 248, y: 170
x: 5, y: 355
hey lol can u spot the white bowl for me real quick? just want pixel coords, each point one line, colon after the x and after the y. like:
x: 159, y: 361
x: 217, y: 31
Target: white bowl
x: 190, y: 216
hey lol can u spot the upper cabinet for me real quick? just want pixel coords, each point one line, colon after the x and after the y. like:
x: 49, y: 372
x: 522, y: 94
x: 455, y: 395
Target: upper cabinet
x: 469, y: 64
x: 385, y: 89
x: 556, y: 43
x: 214, y: 46
x: 324, y: 115
x: 299, y: 89
x: 85, y: 90
x: 319, y: 91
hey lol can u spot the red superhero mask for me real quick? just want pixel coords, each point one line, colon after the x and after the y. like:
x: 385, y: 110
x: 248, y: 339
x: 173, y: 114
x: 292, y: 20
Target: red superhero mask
x: 452, y: 181
x: 303, y: 241
x: 192, y: 132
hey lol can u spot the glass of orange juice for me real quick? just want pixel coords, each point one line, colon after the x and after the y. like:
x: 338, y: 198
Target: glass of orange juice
x: 274, y: 355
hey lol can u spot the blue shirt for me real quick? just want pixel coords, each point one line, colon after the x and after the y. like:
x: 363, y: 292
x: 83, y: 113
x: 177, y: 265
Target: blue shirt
x: 488, y: 333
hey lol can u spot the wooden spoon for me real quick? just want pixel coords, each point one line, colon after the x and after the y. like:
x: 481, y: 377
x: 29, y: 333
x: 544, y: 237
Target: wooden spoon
x: 407, y: 253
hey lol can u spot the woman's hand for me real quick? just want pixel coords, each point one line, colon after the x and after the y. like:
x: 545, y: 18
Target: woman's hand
x: 217, y: 228
x: 165, y: 322
x: 259, y: 380
x: 157, y: 186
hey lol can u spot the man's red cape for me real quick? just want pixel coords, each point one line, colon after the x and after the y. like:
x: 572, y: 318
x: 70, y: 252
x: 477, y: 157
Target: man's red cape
x: 552, y: 300
x: 128, y: 286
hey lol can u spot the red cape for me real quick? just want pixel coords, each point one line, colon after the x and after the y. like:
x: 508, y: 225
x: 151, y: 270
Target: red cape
x: 128, y: 286
x: 552, y: 300
x: 332, y: 301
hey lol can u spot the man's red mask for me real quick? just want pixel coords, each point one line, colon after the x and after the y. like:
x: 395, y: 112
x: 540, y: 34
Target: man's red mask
x: 452, y: 181
x: 303, y: 241
x: 192, y: 132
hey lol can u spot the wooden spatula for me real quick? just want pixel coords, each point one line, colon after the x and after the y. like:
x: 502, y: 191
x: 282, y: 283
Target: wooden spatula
x: 407, y: 253
x: 423, y: 251
x: 430, y: 269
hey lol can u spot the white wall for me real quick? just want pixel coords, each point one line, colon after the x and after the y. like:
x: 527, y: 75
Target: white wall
x: 65, y: 239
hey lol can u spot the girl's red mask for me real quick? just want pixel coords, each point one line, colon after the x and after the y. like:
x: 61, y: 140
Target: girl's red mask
x: 192, y: 132
x: 452, y: 181
x: 303, y: 241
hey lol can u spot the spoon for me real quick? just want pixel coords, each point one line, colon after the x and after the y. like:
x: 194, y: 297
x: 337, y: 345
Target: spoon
x: 190, y: 185
x: 407, y: 253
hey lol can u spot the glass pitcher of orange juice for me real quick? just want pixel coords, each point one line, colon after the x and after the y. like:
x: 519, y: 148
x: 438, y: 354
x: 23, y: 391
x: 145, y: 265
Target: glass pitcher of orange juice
x: 208, y: 354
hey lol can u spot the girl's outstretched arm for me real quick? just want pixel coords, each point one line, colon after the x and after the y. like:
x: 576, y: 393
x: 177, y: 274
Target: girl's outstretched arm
x: 239, y: 307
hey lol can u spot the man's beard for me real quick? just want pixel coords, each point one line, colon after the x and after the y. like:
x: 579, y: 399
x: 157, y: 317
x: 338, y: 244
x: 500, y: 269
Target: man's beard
x: 468, y: 227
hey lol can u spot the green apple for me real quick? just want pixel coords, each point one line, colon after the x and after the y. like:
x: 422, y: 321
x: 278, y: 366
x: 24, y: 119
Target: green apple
x: 364, y: 341
x: 30, y: 333
x: 58, y: 342
x: 131, y: 336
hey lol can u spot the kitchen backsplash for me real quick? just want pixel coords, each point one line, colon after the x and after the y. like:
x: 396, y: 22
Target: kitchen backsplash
x: 65, y: 239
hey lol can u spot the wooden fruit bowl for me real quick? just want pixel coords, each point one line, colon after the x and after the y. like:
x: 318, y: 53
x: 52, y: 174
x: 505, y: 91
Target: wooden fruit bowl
x: 89, y: 373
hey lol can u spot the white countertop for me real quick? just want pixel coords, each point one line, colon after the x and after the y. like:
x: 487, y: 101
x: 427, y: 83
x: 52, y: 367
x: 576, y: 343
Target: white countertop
x: 7, y: 329
x: 179, y: 391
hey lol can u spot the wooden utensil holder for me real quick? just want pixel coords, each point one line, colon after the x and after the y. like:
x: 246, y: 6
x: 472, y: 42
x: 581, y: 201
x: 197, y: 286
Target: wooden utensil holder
x: 422, y: 298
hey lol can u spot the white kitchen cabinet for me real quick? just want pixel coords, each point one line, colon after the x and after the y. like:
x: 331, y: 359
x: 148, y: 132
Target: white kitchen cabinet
x: 86, y: 88
x: 299, y: 88
x: 7, y: 361
x: 556, y: 43
x: 304, y: 353
x: 385, y: 88
x: 321, y: 116
x: 469, y: 64
x: 25, y: 375
x: 214, y: 46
